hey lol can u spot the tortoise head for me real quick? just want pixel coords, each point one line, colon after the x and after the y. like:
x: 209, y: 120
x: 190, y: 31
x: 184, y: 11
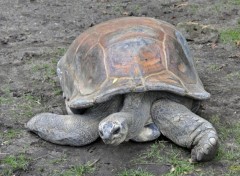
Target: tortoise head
x: 114, y: 128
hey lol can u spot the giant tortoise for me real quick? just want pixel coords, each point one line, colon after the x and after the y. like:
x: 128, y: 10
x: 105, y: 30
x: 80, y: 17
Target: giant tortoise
x: 126, y: 79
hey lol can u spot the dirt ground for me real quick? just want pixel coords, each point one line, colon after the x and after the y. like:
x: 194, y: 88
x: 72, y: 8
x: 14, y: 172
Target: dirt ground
x: 34, y: 34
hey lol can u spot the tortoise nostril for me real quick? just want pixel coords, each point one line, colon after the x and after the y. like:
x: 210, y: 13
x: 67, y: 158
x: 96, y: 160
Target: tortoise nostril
x: 116, y: 130
x: 100, y: 133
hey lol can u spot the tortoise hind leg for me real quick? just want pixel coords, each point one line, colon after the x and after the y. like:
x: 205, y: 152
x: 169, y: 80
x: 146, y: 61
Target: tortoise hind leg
x: 186, y: 129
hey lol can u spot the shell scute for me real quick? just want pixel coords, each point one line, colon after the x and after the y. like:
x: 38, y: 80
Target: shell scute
x: 178, y: 63
x: 134, y: 58
x: 91, y: 71
x: 151, y: 59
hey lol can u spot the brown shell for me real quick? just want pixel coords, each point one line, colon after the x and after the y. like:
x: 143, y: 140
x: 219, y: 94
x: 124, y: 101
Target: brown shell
x: 132, y: 54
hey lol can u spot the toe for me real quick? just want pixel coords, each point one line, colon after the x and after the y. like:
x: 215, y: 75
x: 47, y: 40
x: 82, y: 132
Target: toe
x: 204, y: 152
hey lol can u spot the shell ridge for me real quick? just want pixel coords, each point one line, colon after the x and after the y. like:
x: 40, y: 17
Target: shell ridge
x: 109, y: 45
x: 179, y: 80
x: 81, y: 43
x: 164, y: 50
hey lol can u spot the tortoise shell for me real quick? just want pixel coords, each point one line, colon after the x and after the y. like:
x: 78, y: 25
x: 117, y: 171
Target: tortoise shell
x: 131, y: 54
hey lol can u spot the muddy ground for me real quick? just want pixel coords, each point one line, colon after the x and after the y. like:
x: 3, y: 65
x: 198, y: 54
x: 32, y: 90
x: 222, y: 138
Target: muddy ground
x: 34, y: 34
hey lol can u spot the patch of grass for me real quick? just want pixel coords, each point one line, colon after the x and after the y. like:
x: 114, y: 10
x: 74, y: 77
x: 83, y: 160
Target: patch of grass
x: 152, y: 155
x: 60, y: 159
x: 236, y: 132
x: 79, y: 170
x: 229, y: 140
x: 214, y: 67
x: 137, y: 9
x: 235, y: 168
x: 236, y: 2
x: 154, y: 151
x: 28, y: 103
x: 233, y: 148
x: 48, y: 70
x: 9, y: 134
x: 194, y: 8
x: 6, y: 98
x: 132, y: 172
x: 180, y: 165
x: 217, y: 7
x: 13, y: 163
x: 233, y: 75
x: 225, y: 154
x: 57, y: 91
x: 230, y: 35
x: 46, y: 67
x: 118, y: 8
x: 162, y: 153
x: 60, y: 52
x: 21, y: 105
x: 220, y: 126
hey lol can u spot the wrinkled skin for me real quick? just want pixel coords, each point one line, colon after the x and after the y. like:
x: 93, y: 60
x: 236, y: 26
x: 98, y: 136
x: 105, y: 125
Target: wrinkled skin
x: 132, y: 122
x: 73, y: 129
x: 171, y: 116
x: 186, y: 129
x: 135, y: 116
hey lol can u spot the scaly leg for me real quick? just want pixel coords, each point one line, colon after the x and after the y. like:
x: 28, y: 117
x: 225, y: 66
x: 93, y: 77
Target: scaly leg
x: 73, y: 129
x: 186, y: 129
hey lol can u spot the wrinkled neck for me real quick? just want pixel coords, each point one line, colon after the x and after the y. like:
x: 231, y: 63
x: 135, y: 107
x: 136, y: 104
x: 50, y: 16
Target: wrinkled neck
x: 138, y: 105
x: 106, y: 108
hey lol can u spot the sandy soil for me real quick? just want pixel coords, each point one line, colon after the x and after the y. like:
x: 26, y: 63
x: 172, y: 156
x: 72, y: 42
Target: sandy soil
x: 34, y: 34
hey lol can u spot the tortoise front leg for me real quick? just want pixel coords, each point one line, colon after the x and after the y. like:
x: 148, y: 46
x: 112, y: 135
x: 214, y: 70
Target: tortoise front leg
x: 74, y: 130
x: 186, y: 129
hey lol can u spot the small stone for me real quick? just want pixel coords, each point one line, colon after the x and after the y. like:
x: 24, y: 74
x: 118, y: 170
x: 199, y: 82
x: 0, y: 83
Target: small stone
x: 126, y: 13
x: 238, y: 43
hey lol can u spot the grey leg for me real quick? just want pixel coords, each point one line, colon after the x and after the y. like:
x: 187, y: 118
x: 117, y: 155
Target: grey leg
x: 149, y: 132
x: 186, y: 129
x: 74, y: 130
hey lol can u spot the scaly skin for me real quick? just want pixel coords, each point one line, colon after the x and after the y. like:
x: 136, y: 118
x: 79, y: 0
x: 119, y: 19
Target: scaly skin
x: 130, y: 122
x: 73, y: 129
x: 186, y: 129
x: 134, y: 120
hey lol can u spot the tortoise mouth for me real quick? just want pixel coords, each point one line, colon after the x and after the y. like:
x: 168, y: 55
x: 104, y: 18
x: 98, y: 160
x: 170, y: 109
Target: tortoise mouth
x: 114, y: 139
x: 78, y: 110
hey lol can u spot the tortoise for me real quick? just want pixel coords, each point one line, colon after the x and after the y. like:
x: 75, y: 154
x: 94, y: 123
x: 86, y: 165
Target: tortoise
x: 130, y: 78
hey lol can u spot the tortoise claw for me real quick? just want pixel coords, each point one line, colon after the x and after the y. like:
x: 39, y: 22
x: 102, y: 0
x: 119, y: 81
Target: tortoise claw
x: 206, y: 149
